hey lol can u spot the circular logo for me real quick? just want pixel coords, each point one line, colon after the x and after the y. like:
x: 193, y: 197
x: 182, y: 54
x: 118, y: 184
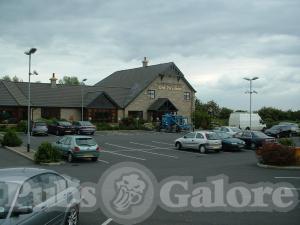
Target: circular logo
x: 127, y: 193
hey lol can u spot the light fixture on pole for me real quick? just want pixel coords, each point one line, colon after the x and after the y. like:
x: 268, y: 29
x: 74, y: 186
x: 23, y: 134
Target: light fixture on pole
x: 250, y: 92
x: 82, y: 84
x: 29, y: 53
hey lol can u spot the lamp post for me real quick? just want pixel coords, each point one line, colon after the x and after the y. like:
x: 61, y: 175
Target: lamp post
x: 82, y: 84
x: 250, y: 93
x: 29, y: 53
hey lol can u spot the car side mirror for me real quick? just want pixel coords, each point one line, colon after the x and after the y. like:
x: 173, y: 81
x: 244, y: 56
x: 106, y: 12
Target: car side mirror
x: 184, y: 136
x: 22, y: 210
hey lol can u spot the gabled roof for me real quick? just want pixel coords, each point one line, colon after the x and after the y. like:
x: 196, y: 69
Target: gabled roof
x: 132, y: 82
x: 43, y: 95
x: 162, y: 104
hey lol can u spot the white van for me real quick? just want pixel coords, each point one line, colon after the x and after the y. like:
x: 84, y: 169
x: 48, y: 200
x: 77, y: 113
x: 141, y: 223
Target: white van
x: 242, y: 121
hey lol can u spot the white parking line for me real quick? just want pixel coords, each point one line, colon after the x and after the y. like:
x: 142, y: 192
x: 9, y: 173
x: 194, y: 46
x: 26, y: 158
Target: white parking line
x: 164, y: 143
x: 151, y: 146
x: 100, y: 160
x: 297, y: 189
x: 107, y: 221
x: 287, y: 177
x: 145, y: 151
x: 128, y: 156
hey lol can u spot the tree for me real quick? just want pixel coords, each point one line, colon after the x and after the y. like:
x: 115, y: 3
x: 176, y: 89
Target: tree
x: 225, y: 113
x: 16, y: 79
x: 69, y: 80
x: 6, y: 78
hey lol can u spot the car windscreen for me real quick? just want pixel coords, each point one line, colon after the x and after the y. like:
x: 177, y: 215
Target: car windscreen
x: 260, y: 134
x: 85, y: 123
x: 64, y: 123
x: 212, y: 136
x: 7, y: 193
x: 234, y: 129
x: 223, y: 135
x: 85, y: 142
x: 40, y: 124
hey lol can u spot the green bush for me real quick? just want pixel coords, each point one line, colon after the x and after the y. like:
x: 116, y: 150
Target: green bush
x: 104, y: 126
x: 46, y: 153
x: 286, y: 142
x: 277, y: 154
x: 22, y: 126
x: 11, y: 139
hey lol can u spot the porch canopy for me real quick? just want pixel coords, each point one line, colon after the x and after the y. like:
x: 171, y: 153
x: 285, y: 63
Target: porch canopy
x: 162, y: 105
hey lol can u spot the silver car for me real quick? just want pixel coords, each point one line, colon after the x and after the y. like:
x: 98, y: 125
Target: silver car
x: 200, y: 140
x: 30, y: 196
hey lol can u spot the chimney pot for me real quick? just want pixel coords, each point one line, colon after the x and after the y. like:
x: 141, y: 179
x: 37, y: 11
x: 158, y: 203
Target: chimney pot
x: 53, y: 80
x: 145, y: 62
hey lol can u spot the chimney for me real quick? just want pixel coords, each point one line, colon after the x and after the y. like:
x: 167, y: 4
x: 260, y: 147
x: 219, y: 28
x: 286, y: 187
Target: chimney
x: 53, y: 80
x: 145, y: 62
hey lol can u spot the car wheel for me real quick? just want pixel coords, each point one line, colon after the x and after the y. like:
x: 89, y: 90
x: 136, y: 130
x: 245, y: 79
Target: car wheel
x: 70, y: 157
x: 290, y: 134
x: 92, y: 133
x: 72, y: 217
x: 94, y: 159
x: 78, y: 132
x: 202, y: 149
x: 178, y: 145
x: 217, y: 150
x: 57, y: 133
x: 253, y: 146
x: 277, y: 136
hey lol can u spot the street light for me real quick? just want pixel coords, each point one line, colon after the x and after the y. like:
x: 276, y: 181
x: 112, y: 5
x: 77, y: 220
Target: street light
x: 82, y: 84
x: 29, y: 53
x: 250, y: 93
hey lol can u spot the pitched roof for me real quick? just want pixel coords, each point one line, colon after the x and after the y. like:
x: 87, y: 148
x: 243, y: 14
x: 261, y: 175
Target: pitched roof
x: 132, y: 82
x: 162, y: 104
x: 43, y: 95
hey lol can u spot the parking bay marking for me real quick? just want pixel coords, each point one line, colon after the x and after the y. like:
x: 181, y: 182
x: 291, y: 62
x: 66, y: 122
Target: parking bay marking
x: 100, y: 160
x: 287, y: 177
x: 107, y: 221
x: 169, y: 149
x: 128, y: 156
x: 164, y: 143
x: 145, y: 151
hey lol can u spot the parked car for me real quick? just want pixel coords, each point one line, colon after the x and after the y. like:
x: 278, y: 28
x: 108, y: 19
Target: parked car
x: 294, y: 127
x: 254, y: 139
x: 39, y: 128
x: 242, y: 121
x: 61, y: 128
x: 78, y: 147
x: 84, y: 127
x: 279, y: 131
x: 229, y: 130
x: 230, y: 143
x: 31, y: 196
x: 200, y: 140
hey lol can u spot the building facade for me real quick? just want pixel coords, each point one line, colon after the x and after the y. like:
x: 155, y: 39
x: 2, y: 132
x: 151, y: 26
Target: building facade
x: 145, y: 92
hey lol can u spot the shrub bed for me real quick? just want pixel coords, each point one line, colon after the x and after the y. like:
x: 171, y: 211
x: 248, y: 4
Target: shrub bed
x: 277, y: 154
x: 286, y: 142
x: 46, y: 153
x: 11, y: 139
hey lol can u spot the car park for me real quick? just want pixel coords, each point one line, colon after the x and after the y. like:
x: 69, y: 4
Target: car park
x: 31, y: 196
x: 279, y: 131
x: 84, y: 127
x: 200, y: 140
x: 230, y: 143
x: 61, y: 128
x: 254, y: 139
x: 78, y: 147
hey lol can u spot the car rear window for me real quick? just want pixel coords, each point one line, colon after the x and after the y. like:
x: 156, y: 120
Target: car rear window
x: 259, y: 134
x: 85, y: 142
x: 212, y: 136
x: 64, y: 123
x: 40, y: 124
x: 85, y: 123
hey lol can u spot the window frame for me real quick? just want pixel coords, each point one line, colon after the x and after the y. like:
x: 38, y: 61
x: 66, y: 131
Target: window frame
x: 151, y: 93
x: 187, y: 96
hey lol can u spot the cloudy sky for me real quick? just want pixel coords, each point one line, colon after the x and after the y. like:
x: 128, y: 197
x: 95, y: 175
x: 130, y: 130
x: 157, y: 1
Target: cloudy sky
x: 215, y: 43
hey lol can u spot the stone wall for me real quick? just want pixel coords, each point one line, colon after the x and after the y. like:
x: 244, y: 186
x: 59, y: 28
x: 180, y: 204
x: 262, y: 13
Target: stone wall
x: 168, y: 87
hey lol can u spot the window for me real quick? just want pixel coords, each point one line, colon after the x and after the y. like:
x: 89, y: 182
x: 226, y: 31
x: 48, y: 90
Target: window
x: 187, y: 96
x: 49, y: 113
x: 190, y: 135
x: 151, y: 94
x: 200, y: 136
x: 135, y: 114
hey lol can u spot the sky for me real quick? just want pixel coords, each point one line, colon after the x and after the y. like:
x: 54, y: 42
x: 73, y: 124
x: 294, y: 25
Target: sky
x: 215, y: 43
